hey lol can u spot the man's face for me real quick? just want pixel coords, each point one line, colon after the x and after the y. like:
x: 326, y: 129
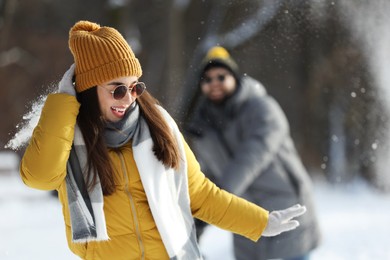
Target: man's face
x: 218, y: 84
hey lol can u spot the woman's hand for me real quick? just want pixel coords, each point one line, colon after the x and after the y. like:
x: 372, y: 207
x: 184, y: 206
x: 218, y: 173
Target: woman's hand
x: 66, y: 83
x: 280, y: 221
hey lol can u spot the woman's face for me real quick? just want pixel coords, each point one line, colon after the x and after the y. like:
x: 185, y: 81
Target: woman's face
x: 114, y: 110
x: 217, y: 84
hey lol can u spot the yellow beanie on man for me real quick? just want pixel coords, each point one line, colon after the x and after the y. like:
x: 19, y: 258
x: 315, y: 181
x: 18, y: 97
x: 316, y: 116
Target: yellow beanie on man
x: 100, y: 54
x: 218, y: 56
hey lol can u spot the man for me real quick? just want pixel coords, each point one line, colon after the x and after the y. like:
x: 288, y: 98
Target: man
x: 241, y: 138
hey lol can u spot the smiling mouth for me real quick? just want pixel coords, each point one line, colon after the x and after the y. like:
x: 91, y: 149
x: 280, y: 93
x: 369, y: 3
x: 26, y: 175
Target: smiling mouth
x: 216, y: 94
x: 119, y: 110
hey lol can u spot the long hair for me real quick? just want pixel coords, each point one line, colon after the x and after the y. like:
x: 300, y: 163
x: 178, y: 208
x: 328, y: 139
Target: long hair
x: 92, y: 126
x: 165, y: 146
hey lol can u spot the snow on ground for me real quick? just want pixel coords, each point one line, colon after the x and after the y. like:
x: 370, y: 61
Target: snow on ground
x: 355, y: 222
x: 31, y: 223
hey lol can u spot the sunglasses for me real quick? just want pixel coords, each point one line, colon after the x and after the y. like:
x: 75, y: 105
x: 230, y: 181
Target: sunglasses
x: 136, y: 90
x: 221, y: 78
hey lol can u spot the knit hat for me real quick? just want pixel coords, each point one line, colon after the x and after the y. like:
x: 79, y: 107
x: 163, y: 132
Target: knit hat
x: 218, y: 56
x: 100, y: 54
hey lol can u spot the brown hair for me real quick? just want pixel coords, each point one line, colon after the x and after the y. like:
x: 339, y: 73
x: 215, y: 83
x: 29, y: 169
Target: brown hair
x: 92, y: 124
x: 165, y: 146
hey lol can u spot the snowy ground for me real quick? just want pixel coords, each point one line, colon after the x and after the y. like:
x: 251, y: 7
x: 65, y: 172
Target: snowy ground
x: 355, y: 222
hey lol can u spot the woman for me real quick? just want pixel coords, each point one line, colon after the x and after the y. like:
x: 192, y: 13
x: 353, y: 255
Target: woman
x: 129, y: 184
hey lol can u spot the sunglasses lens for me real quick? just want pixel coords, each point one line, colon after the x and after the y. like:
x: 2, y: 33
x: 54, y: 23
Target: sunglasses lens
x: 138, y: 88
x: 220, y: 78
x: 120, y: 92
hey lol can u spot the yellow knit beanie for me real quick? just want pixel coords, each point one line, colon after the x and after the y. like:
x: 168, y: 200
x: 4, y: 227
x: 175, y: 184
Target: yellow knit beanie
x: 217, y: 52
x: 218, y: 56
x: 100, y: 54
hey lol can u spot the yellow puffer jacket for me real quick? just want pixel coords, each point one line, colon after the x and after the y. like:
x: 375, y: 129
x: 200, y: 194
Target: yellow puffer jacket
x: 131, y: 228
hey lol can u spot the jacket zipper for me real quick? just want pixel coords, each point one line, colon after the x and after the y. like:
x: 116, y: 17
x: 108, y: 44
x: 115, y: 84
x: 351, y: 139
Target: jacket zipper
x: 135, y: 219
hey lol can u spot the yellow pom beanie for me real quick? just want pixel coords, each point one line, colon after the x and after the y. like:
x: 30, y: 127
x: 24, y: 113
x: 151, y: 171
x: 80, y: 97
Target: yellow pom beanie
x: 218, y: 56
x: 100, y: 54
x: 217, y: 52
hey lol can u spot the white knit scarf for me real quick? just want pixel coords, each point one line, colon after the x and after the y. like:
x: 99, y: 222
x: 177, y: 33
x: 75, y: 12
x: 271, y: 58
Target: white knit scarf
x: 166, y: 190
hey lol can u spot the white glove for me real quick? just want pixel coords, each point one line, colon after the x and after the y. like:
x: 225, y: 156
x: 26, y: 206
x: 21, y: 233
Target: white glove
x: 66, y: 83
x: 280, y: 221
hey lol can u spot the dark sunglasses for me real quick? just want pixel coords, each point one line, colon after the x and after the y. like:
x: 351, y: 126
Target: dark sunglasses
x: 221, y: 78
x: 136, y: 90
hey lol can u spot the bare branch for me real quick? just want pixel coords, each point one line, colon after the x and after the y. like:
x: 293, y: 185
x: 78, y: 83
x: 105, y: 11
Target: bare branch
x: 253, y: 25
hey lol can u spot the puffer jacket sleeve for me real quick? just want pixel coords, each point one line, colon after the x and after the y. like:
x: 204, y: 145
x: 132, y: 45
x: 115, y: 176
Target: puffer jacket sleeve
x: 220, y: 208
x: 43, y: 165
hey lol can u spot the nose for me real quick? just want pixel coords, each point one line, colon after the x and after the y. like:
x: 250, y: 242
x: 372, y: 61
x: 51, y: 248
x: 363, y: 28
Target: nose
x: 215, y: 83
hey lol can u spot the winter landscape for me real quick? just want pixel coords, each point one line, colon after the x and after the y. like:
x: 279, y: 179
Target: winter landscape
x: 325, y: 61
x: 354, y: 220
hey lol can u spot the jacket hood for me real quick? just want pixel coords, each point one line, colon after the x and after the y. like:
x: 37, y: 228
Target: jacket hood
x: 247, y: 88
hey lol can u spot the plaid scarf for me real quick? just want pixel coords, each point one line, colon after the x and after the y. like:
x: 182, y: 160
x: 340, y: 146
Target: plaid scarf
x: 165, y: 188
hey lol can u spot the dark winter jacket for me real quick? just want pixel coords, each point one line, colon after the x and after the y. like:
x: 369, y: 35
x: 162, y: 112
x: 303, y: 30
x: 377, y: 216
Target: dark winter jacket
x: 244, y: 145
